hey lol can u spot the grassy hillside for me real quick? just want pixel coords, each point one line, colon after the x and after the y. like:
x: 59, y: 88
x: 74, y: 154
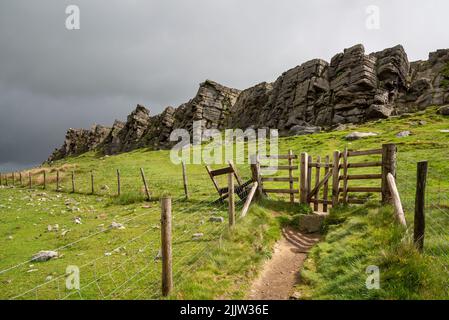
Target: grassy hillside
x: 121, y: 263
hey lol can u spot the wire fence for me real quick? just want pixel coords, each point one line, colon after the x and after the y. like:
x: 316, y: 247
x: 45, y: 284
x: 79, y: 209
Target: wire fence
x: 436, y: 242
x: 112, y: 265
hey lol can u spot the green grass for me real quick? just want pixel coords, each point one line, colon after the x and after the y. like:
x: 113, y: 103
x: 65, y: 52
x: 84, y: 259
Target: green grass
x: 229, y: 259
x: 368, y: 236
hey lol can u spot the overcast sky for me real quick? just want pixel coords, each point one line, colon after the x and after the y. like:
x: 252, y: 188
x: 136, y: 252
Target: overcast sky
x: 157, y: 52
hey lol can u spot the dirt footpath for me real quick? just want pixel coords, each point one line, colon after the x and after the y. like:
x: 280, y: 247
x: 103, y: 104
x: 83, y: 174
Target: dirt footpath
x: 281, y: 272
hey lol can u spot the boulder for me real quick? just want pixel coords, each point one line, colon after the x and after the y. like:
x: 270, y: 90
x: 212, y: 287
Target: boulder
x: 216, y: 219
x: 359, y: 135
x: 299, y: 130
x: 43, y: 256
x: 403, y: 134
x: 444, y: 110
x: 116, y: 225
x: 311, y: 223
x: 378, y: 112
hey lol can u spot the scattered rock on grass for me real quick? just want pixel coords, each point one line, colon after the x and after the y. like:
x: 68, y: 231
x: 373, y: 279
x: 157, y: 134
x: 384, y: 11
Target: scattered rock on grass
x: 359, y: 135
x: 42, y: 256
x: 403, y: 134
x: 115, y: 225
x: 197, y: 236
x: 216, y: 219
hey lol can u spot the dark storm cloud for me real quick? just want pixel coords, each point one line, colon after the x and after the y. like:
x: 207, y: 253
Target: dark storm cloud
x: 156, y: 53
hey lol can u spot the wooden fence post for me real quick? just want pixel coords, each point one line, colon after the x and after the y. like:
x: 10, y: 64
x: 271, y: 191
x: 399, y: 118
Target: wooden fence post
x: 420, y: 221
x: 147, y: 192
x: 231, y: 200
x: 57, y: 181
x: 166, y: 246
x: 309, y: 176
x: 317, y: 181
x: 13, y: 179
x: 73, y: 181
x: 29, y: 180
x: 20, y: 179
x: 184, y: 178
x: 1, y: 182
x: 255, y: 171
x: 388, y: 166
x: 45, y: 179
x: 290, y: 175
x: 326, y: 184
x: 336, y: 178
x: 6, y: 179
x: 303, y: 181
x: 92, y: 182
x: 345, y: 176
x: 119, y: 191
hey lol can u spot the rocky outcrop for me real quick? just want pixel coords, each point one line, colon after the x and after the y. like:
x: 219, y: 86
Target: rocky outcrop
x: 352, y: 88
x: 428, y: 83
x: 112, y: 144
x: 78, y: 141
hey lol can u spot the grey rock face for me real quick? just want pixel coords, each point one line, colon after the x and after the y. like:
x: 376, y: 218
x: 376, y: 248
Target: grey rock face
x: 354, y: 87
x: 112, y: 143
x: 78, y: 141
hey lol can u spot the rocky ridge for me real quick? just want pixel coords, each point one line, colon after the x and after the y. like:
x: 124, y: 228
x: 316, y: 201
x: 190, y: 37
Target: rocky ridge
x: 354, y: 87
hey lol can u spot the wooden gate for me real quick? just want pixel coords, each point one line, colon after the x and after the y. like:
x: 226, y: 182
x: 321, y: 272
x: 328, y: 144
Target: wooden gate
x: 326, y: 174
x: 339, y: 172
x: 290, y: 157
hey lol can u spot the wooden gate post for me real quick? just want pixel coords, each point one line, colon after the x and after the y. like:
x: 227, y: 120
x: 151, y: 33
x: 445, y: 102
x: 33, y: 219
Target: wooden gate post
x: 420, y: 221
x: 290, y: 175
x: 345, y: 175
x: 231, y: 200
x: 326, y: 184
x: 166, y: 246
x: 336, y: 178
x: 119, y: 191
x: 255, y: 171
x: 388, y: 166
x: 303, y: 181
x: 184, y: 178
x: 147, y: 192
x: 317, y: 181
